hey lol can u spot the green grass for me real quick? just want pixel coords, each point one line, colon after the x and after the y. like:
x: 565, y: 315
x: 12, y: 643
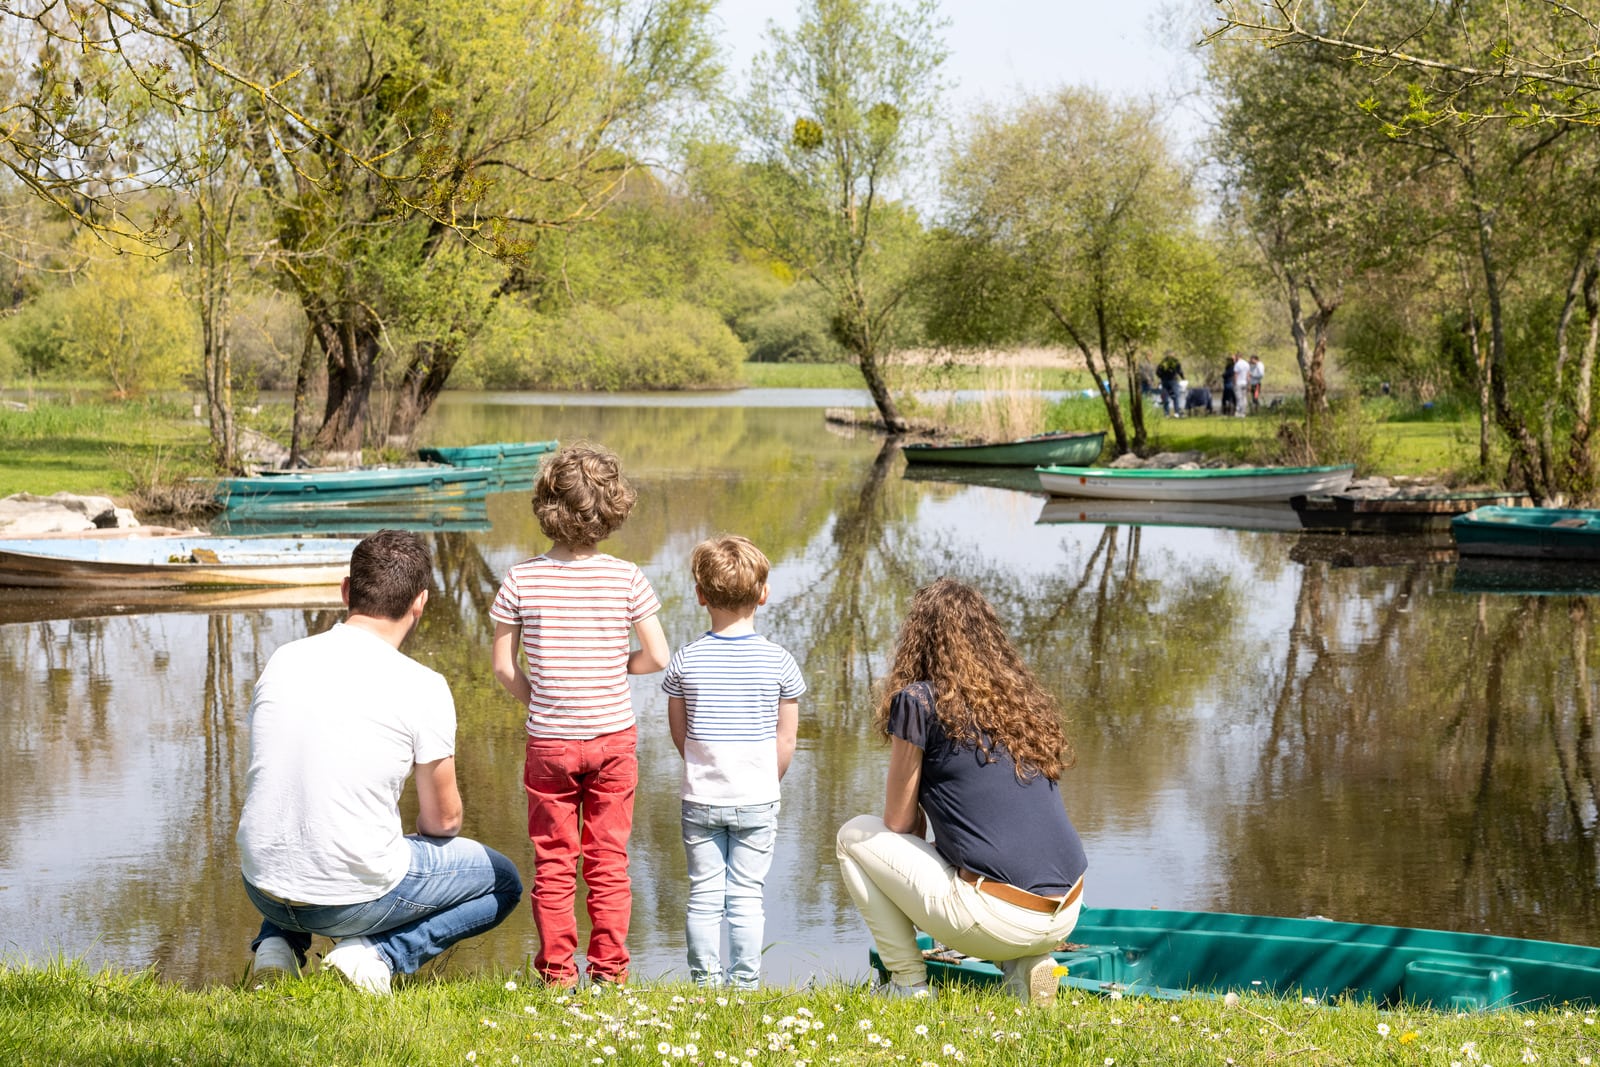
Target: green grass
x: 97, y: 447
x: 65, y: 1014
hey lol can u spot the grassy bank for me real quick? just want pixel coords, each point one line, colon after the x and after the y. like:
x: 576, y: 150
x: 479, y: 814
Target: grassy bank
x: 64, y: 1014
x: 99, y: 447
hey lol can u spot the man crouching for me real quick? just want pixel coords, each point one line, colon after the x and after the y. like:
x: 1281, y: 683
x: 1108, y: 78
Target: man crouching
x: 338, y: 722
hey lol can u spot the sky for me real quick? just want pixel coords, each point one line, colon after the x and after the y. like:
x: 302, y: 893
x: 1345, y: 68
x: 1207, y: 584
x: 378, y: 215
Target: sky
x: 1002, y: 49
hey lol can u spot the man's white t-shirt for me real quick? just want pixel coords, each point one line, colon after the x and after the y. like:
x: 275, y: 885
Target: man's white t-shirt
x: 336, y: 725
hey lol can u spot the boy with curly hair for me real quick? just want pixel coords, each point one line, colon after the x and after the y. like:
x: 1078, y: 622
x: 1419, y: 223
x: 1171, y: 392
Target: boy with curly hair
x: 570, y: 611
x: 733, y: 700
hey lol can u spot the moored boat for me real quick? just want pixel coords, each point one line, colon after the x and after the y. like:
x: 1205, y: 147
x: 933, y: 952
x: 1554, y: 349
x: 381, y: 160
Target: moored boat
x: 1181, y: 954
x: 1529, y: 533
x: 423, y: 515
x: 174, y: 562
x: 1064, y: 449
x: 361, y: 484
x: 1206, y: 483
x: 504, y: 453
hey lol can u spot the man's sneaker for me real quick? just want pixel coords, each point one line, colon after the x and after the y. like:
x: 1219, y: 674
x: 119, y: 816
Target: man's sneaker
x: 892, y: 990
x: 274, y: 960
x: 1031, y: 979
x: 359, y: 960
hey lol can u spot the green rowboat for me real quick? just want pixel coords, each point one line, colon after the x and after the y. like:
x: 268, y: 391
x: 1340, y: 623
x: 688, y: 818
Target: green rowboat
x: 1069, y: 449
x: 1529, y: 533
x: 519, y: 453
x: 361, y: 485
x: 1181, y: 954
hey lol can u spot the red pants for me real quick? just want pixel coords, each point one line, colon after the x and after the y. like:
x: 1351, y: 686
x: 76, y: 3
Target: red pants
x: 580, y: 799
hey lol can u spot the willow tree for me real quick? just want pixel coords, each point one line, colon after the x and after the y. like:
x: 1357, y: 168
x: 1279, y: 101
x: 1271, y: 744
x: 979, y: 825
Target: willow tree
x: 837, y: 112
x: 1075, y: 221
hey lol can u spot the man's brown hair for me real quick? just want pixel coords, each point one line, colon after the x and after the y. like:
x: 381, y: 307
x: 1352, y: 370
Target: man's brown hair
x: 581, y: 497
x: 730, y: 572
x: 387, y: 571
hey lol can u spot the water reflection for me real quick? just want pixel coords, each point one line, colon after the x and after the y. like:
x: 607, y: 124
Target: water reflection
x: 1260, y: 726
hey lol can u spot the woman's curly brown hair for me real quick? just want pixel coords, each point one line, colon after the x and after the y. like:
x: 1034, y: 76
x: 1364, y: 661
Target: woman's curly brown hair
x: 581, y: 497
x: 983, y: 693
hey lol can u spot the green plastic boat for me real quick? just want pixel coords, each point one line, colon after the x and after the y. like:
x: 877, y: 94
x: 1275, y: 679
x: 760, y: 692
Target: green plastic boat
x: 1067, y: 449
x: 1179, y: 954
x: 519, y: 453
x: 1529, y: 533
x: 361, y: 485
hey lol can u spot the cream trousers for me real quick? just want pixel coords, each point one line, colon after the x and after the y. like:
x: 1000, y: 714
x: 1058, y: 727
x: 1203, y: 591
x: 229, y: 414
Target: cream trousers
x: 900, y: 883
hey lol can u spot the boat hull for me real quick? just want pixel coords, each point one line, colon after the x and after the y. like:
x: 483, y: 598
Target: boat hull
x: 1529, y: 533
x: 1064, y: 449
x: 510, y: 453
x: 1181, y: 954
x: 174, y: 562
x: 1222, y: 484
x: 320, y: 488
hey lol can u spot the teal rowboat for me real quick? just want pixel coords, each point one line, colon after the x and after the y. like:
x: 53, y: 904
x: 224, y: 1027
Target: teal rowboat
x: 362, y: 485
x: 1529, y: 533
x: 1069, y: 449
x: 519, y: 453
x: 1180, y: 954
x: 1193, y: 485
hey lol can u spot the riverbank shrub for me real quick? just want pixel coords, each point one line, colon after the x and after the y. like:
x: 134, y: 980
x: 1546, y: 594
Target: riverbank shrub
x: 645, y: 345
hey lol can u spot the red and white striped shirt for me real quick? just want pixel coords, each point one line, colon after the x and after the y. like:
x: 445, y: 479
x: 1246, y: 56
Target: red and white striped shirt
x: 575, y: 617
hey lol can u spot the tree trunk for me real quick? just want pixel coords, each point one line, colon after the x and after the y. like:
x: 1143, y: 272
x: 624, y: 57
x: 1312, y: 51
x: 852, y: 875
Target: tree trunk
x: 1136, y: 405
x: 302, y: 387
x: 351, y: 344
x: 424, y: 379
x: 1103, y: 379
x: 1524, y: 448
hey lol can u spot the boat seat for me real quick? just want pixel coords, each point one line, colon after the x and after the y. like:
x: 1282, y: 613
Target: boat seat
x: 1456, y: 985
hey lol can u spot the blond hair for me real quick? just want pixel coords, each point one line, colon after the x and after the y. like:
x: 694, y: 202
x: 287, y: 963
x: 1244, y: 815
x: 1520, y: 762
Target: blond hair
x: 581, y: 497
x: 983, y: 693
x: 730, y: 572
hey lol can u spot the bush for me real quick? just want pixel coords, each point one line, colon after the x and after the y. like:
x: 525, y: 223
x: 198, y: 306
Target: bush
x: 648, y: 345
x: 796, y: 328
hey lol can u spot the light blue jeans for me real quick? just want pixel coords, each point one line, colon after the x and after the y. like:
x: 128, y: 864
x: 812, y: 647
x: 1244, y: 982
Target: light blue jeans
x: 456, y: 888
x: 729, y: 851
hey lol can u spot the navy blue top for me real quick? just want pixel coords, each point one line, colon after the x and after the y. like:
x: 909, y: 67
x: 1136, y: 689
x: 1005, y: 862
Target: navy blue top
x: 983, y: 818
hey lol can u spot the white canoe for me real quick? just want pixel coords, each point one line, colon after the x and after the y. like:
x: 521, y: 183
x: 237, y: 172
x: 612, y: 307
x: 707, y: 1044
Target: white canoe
x: 175, y: 562
x: 1211, y: 484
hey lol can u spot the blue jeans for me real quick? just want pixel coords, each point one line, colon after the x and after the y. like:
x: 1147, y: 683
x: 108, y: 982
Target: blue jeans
x: 729, y: 851
x: 455, y: 889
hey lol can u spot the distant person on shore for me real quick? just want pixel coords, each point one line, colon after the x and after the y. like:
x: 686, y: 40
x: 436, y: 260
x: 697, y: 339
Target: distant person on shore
x: 1230, y: 398
x: 1258, y: 374
x: 976, y: 748
x: 1170, y: 372
x: 1198, y: 400
x: 733, y: 706
x: 338, y: 722
x: 570, y: 611
x: 1241, y: 386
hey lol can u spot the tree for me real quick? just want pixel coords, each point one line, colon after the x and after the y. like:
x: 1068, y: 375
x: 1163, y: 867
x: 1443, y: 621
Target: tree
x: 1517, y: 173
x: 1311, y: 181
x: 1074, y: 220
x: 835, y: 114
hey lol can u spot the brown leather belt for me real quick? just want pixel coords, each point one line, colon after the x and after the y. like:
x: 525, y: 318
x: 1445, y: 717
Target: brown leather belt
x: 1021, y: 897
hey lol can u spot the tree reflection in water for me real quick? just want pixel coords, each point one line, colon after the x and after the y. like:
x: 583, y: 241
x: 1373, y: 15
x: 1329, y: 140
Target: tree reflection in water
x: 1257, y: 730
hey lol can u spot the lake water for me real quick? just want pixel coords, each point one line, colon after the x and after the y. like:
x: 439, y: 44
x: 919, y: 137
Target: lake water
x: 1261, y: 724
